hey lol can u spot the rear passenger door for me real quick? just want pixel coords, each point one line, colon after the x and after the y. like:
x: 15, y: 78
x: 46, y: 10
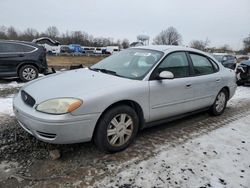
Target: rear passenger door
x: 206, y: 80
x: 10, y: 55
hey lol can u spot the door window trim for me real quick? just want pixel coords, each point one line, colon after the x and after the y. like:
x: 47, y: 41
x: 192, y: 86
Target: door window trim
x: 154, y: 72
x: 34, y: 48
x: 213, y: 63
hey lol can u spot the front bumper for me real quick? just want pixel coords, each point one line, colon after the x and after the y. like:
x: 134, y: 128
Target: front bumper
x: 56, y: 129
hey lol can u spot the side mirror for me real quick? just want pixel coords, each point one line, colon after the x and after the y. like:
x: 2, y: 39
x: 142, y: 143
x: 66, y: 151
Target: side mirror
x: 166, y: 75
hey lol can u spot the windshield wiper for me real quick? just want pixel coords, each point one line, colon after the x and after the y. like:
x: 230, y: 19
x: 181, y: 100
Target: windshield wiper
x: 104, y: 71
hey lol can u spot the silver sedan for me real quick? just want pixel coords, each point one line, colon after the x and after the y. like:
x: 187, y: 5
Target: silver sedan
x: 111, y: 100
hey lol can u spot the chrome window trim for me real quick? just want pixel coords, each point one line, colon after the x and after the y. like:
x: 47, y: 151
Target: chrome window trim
x: 35, y: 48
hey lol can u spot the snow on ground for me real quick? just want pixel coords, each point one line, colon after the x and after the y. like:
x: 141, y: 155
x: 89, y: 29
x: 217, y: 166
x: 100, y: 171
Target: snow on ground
x: 218, y: 159
x: 10, y: 85
x: 6, y: 106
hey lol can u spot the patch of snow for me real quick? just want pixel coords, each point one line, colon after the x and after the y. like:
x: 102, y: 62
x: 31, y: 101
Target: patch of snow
x: 7, y: 169
x: 10, y: 85
x: 218, y: 159
x: 6, y: 106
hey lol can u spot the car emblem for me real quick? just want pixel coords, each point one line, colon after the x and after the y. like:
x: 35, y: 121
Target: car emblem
x: 25, y: 97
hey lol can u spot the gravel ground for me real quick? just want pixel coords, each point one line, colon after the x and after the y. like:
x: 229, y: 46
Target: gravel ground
x: 25, y: 161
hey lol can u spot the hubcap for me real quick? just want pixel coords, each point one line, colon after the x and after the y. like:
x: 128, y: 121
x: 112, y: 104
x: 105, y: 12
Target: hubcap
x: 29, y: 73
x: 120, y: 130
x: 220, y: 102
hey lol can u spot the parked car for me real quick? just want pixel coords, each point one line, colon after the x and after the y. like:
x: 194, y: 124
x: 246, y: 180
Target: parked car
x: 98, y: 51
x: 22, y: 59
x: 65, y: 49
x: 76, y: 48
x: 243, y: 72
x: 88, y: 50
x: 242, y: 58
x: 128, y: 91
x: 52, y: 46
x: 112, y: 49
x: 226, y: 60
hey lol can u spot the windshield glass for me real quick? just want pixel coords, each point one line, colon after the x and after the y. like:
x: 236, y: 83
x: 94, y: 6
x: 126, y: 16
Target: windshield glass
x: 218, y: 57
x: 131, y: 63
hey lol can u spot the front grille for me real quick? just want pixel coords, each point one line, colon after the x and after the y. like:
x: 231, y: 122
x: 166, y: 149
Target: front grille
x: 27, y: 99
x: 46, y: 135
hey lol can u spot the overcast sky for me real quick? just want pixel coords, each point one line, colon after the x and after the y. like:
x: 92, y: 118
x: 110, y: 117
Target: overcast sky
x: 221, y: 21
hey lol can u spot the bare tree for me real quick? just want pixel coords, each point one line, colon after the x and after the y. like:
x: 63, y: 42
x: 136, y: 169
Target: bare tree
x: 125, y: 43
x: 52, y: 32
x: 3, y: 30
x: 12, y: 33
x: 226, y: 48
x: 200, y: 44
x: 246, y: 43
x: 170, y: 36
x: 29, y: 34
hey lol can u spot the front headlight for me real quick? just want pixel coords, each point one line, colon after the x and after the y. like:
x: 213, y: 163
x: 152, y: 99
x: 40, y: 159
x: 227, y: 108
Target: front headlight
x: 59, y: 106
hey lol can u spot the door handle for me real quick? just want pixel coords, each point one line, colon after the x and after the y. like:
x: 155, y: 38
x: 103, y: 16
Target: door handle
x: 218, y: 80
x: 188, y: 85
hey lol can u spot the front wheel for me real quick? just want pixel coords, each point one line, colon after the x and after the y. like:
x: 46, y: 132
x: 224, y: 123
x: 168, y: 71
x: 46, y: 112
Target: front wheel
x: 116, y: 129
x: 220, y: 103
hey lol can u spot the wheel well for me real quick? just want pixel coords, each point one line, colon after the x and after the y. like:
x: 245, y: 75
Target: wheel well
x: 28, y: 63
x: 227, y: 90
x: 130, y: 103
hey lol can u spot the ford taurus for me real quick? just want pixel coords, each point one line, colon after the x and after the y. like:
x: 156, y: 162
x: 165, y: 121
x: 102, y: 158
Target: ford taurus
x: 113, y: 99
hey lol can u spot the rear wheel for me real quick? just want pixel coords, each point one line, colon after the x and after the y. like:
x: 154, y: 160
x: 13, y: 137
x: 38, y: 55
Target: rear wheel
x: 28, y: 73
x: 116, y: 129
x: 220, y: 103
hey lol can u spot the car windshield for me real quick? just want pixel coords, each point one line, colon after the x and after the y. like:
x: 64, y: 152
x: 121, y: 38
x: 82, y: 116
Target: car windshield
x: 132, y: 63
x: 218, y: 57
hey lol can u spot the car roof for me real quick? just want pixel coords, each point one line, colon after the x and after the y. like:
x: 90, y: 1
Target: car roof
x: 20, y: 42
x: 165, y: 48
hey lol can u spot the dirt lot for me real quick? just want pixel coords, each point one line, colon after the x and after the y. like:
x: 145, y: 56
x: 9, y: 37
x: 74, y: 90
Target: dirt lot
x: 25, y: 161
x: 65, y: 61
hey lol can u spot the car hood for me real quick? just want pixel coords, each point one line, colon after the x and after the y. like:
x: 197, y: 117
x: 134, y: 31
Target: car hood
x: 75, y: 83
x: 246, y: 62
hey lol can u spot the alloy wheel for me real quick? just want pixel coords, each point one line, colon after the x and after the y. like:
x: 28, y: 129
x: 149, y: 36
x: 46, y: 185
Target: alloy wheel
x: 120, y: 130
x: 220, y: 102
x: 29, y: 73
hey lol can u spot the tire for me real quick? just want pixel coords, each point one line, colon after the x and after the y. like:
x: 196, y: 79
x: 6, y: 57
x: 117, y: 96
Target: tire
x: 120, y: 135
x: 240, y: 83
x: 220, y: 103
x: 27, y: 73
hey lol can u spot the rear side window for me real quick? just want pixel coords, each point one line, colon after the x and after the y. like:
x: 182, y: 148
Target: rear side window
x: 15, y: 48
x: 27, y: 48
x: 201, y: 65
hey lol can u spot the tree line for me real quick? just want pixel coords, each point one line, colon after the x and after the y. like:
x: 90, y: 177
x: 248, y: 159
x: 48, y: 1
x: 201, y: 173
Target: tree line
x: 169, y: 36
x: 69, y: 37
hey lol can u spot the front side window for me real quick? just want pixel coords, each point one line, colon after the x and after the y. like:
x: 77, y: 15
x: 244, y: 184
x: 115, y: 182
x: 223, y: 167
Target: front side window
x: 201, y: 65
x: 177, y: 63
x: 131, y: 63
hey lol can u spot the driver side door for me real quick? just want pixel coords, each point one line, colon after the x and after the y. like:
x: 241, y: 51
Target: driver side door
x: 170, y: 97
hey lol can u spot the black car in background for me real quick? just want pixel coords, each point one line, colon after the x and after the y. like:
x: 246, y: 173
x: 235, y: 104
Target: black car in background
x: 243, y: 72
x: 228, y: 61
x: 65, y: 49
x: 22, y: 59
